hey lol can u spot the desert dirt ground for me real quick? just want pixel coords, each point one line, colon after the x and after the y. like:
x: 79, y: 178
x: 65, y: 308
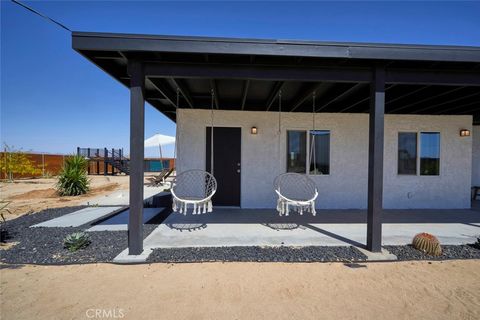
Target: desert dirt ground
x: 398, y: 290
x: 33, y: 195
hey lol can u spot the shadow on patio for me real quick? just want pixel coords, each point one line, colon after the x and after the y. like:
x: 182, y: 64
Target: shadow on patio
x: 264, y: 227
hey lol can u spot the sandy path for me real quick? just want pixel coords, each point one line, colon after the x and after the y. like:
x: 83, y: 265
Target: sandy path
x: 404, y: 290
x: 34, y: 195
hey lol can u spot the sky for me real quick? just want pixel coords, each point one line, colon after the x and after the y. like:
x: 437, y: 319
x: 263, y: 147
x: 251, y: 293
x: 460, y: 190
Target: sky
x: 53, y: 100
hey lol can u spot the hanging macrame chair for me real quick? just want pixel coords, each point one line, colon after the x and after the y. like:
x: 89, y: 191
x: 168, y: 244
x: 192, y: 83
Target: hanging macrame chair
x: 194, y: 188
x: 296, y: 191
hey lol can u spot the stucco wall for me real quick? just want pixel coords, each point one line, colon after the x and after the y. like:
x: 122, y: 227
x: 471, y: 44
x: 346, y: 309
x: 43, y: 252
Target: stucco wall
x: 476, y: 156
x: 263, y: 157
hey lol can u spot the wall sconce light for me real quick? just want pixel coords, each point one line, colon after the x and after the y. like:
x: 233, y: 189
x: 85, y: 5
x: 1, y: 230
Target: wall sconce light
x: 464, y: 133
x: 253, y: 130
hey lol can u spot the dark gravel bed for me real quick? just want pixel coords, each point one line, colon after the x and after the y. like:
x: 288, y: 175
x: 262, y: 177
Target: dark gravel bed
x: 257, y: 254
x: 45, y: 245
x: 448, y: 252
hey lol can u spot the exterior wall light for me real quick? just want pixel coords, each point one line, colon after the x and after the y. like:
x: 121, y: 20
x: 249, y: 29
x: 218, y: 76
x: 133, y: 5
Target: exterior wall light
x: 464, y: 133
x: 253, y: 130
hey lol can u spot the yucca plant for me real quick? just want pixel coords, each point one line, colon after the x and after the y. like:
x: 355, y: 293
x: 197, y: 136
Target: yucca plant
x: 427, y: 243
x: 73, y: 179
x: 76, y: 241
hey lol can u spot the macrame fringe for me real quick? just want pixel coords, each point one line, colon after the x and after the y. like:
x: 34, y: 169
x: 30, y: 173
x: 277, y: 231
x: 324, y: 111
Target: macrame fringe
x: 198, y: 208
x: 283, y: 207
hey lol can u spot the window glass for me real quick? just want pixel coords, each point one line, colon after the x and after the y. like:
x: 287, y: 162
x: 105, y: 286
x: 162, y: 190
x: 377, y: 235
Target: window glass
x: 430, y: 153
x: 296, y: 151
x: 407, y: 153
x: 319, y: 152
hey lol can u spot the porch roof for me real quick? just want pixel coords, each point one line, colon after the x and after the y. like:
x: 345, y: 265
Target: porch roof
x: 248, y: 74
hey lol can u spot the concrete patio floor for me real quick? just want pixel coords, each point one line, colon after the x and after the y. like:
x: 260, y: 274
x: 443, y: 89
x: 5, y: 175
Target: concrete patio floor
x: 263, y: 227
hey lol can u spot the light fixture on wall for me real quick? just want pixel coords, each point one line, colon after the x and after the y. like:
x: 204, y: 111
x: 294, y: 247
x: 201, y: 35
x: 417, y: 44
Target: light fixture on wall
x: 253, y: 130
x: 464, y: 133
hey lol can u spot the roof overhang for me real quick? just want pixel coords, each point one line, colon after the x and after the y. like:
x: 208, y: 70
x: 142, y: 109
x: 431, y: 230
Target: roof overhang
x: 247, y: 74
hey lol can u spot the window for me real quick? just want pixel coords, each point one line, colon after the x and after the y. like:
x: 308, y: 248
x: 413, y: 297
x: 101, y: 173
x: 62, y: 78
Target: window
x: 296, y: 151
x: 429, y: 153
x: 319, y: 152
x: 407, y: 153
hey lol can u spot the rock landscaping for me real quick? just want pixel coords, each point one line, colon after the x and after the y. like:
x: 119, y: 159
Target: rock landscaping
x: 257, y: 254
x: 45, y: 245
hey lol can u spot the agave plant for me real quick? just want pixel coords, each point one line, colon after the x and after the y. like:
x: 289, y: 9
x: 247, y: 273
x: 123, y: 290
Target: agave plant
x: 76, y: 241
x: 3, y: 228
x: 73, y: 180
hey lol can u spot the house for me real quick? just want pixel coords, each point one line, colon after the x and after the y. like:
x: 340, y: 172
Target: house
x: 396, y: 126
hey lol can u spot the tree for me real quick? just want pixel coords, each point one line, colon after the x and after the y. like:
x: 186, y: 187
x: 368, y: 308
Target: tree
x: 16, y: 162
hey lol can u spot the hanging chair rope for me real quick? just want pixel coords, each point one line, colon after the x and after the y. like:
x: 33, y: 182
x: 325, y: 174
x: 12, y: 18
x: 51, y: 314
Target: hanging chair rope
x: 211, y: 132
x: 194, y: 188
x: 279, y: 133
x: 176, y: 131
x: 313, y: 142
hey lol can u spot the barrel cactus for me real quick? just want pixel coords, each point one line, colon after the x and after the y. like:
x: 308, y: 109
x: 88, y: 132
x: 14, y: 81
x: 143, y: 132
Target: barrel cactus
x: 427, y: 243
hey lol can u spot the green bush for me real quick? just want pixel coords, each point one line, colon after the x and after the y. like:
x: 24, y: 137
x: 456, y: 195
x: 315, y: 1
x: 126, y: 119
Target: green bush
x: 76, y: 241
x: 73, y: 180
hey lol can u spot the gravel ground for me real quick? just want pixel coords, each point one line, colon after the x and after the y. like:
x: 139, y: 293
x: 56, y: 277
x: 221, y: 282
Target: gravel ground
x: 45, y: 245
x: 257, y: 254
x: 448, y: 252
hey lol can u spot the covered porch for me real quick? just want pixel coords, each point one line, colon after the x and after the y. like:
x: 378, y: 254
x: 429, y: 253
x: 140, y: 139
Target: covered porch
x: 263, y: 227
x: 173, y: 73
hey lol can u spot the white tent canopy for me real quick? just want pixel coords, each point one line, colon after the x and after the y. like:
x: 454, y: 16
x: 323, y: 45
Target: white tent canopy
x: 159, y: 140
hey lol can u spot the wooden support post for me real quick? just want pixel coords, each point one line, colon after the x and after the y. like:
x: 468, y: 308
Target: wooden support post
x: 137, y: 132
x: 105, y: 163
x: 375, y: 160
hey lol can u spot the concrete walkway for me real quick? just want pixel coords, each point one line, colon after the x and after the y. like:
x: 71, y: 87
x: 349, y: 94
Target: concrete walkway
x: 102, y: 207
x: 79, y: 217
x: 121, y: 197
x: 120, y: 221
x: 236, y: 227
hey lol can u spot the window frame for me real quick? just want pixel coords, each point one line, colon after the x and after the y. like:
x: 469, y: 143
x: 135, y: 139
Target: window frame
x: 286, y: 153
x: 329, y: 152
x: 439, y: 154
x: 307, y: 153
x: 418, y: 155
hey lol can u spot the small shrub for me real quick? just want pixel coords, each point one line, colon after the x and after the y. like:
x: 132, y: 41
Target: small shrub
x: 73, y: 180
x: 476, y: 245
x: 76, y: 241
x: 427, y: 243
x: 16, y: 162
x: 3, y: 226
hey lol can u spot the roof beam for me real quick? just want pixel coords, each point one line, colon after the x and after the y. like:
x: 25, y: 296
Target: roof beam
x: 319, y: 89
x: 258, y: 72
x: 302, y: 73
x: 245, y: 93
x: 183, y: 90
x: 339, y: 97
x: 163, y: 90
x: 426, y: 99
x: 207, y: 45
x: 448, y: 101
x: 457, y: 106
x: 365, y: 99
x: 278, y: 86
x: 213, y: 86
x: 427, y: 77
x: 409, y: 93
